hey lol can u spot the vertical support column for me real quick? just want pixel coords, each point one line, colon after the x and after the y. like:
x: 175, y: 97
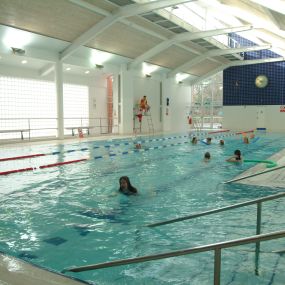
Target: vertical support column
x: 217, y: 267
x: 258, y: 230
x: 126, y: 101
x: 59, y: 99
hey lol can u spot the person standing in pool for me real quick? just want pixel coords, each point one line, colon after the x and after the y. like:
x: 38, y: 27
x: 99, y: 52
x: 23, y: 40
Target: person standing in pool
x: 207, y: 156
x: 126, y: 187
x: 236, y: 157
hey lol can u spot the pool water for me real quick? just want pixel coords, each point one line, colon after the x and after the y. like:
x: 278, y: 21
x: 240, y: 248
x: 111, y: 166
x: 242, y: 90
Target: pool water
x: 72, y: 215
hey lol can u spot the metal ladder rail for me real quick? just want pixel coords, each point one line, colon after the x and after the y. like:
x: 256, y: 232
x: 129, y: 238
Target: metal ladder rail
x: 149, y: 123
x: 216, y: 247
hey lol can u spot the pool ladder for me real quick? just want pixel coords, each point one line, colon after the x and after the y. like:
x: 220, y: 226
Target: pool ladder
x: 216, y: 247
x: 149, y: 124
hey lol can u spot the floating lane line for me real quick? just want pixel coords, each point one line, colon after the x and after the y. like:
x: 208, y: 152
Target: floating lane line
x: 100, y: 156
x: 16, y: 171
x: 42, y: 166
x: 62, y: 163
x: 85, y: 149
x: 22, y: 157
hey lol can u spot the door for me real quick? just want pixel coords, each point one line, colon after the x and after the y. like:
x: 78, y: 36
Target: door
x: 260, y: 117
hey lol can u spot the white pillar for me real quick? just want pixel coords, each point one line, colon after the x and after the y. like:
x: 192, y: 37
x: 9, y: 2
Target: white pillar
x: 126, y: 101
x: 59, y: 97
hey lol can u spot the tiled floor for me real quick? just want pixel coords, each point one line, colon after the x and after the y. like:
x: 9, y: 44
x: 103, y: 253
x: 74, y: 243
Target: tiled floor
x: 13, y: 271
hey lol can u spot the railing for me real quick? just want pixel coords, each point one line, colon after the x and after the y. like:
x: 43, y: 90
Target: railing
x: 214, y: 211
x: 216, y: 247
x: 12, y: 128
x: 207, y: 122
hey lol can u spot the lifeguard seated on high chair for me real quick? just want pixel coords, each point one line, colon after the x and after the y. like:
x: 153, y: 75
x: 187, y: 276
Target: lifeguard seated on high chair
x: 144, y: 105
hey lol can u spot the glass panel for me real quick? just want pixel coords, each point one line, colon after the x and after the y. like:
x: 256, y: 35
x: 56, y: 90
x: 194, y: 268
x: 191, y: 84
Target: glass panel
x: 207, y: 103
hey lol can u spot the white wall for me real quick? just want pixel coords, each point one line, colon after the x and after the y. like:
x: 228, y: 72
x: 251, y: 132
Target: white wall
x: 149, y: 87
x: 179, y: 100
x: 248, y: 117
x: 134, y: 85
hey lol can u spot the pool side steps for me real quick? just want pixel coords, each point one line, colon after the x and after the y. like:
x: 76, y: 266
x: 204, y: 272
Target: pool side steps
x: 255, y: 174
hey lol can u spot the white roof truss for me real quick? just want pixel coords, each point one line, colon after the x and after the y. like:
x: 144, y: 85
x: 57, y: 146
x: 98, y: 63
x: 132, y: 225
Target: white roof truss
x: 184, y: 37
x: 212, y: 53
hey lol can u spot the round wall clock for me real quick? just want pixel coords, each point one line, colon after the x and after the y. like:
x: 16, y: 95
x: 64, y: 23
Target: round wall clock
x: 261, y: 81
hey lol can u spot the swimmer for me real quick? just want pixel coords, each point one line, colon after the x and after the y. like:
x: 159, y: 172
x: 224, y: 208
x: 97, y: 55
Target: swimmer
x: 236, y: 157
x: 208, y: 140
x: 138, y: 146
x: 126, y: 186
x: 207, y: 156
x: 194, y: 140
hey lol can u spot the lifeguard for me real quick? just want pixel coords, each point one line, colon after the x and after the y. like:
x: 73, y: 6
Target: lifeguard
x: 144, y: 105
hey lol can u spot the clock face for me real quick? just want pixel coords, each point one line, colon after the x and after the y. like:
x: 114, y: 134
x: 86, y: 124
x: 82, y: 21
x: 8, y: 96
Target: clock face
x: 261, y: 81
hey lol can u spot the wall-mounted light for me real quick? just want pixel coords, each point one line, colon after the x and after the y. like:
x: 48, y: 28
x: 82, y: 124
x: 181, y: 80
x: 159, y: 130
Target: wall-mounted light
x: 99, y: 66
x: 18, y: 51
x: 87, y: 72
x: 24, y: 61
x: 148, y: 76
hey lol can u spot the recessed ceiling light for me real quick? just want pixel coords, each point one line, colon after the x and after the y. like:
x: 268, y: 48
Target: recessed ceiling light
x: 87, y: 71
x: 24, y: 61
x: 68, y: 68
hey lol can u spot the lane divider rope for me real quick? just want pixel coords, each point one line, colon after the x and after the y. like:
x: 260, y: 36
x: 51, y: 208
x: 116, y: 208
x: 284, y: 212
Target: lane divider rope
x: 96, y: 157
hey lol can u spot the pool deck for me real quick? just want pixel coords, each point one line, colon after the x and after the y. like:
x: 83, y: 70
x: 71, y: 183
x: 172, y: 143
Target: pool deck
x: 14, y: 271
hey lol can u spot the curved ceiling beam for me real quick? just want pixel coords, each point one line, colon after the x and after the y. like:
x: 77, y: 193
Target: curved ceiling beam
x: 120, y: 13
x: 184, y: 37
x: 212, y: 53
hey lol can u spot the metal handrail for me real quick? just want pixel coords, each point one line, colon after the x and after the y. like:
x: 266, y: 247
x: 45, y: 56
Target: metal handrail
x: 38, y: 124
x: 214, y: 211
x: 243, y: 204
x: 217, y: 247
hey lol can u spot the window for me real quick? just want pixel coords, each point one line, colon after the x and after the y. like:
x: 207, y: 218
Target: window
x: 27, y: 104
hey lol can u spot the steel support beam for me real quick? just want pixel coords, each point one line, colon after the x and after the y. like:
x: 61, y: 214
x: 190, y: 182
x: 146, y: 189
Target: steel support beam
x: 213, y: 53
x: 120, y: 13
x: 184, y: 37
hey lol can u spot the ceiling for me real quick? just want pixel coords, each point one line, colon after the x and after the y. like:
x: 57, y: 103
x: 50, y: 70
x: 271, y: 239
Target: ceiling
x: 82, y: 33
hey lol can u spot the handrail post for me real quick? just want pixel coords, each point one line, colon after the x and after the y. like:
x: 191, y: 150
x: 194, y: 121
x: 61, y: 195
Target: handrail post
x: 258, y: 231
x: 29, y: 124
x: 100, y: 126
x: 217, y: 266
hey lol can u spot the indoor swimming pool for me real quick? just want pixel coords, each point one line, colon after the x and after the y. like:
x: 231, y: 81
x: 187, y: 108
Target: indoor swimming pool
x: 57, y: 217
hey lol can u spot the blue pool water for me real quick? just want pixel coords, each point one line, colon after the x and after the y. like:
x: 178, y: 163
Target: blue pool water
x: 73, y: 215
